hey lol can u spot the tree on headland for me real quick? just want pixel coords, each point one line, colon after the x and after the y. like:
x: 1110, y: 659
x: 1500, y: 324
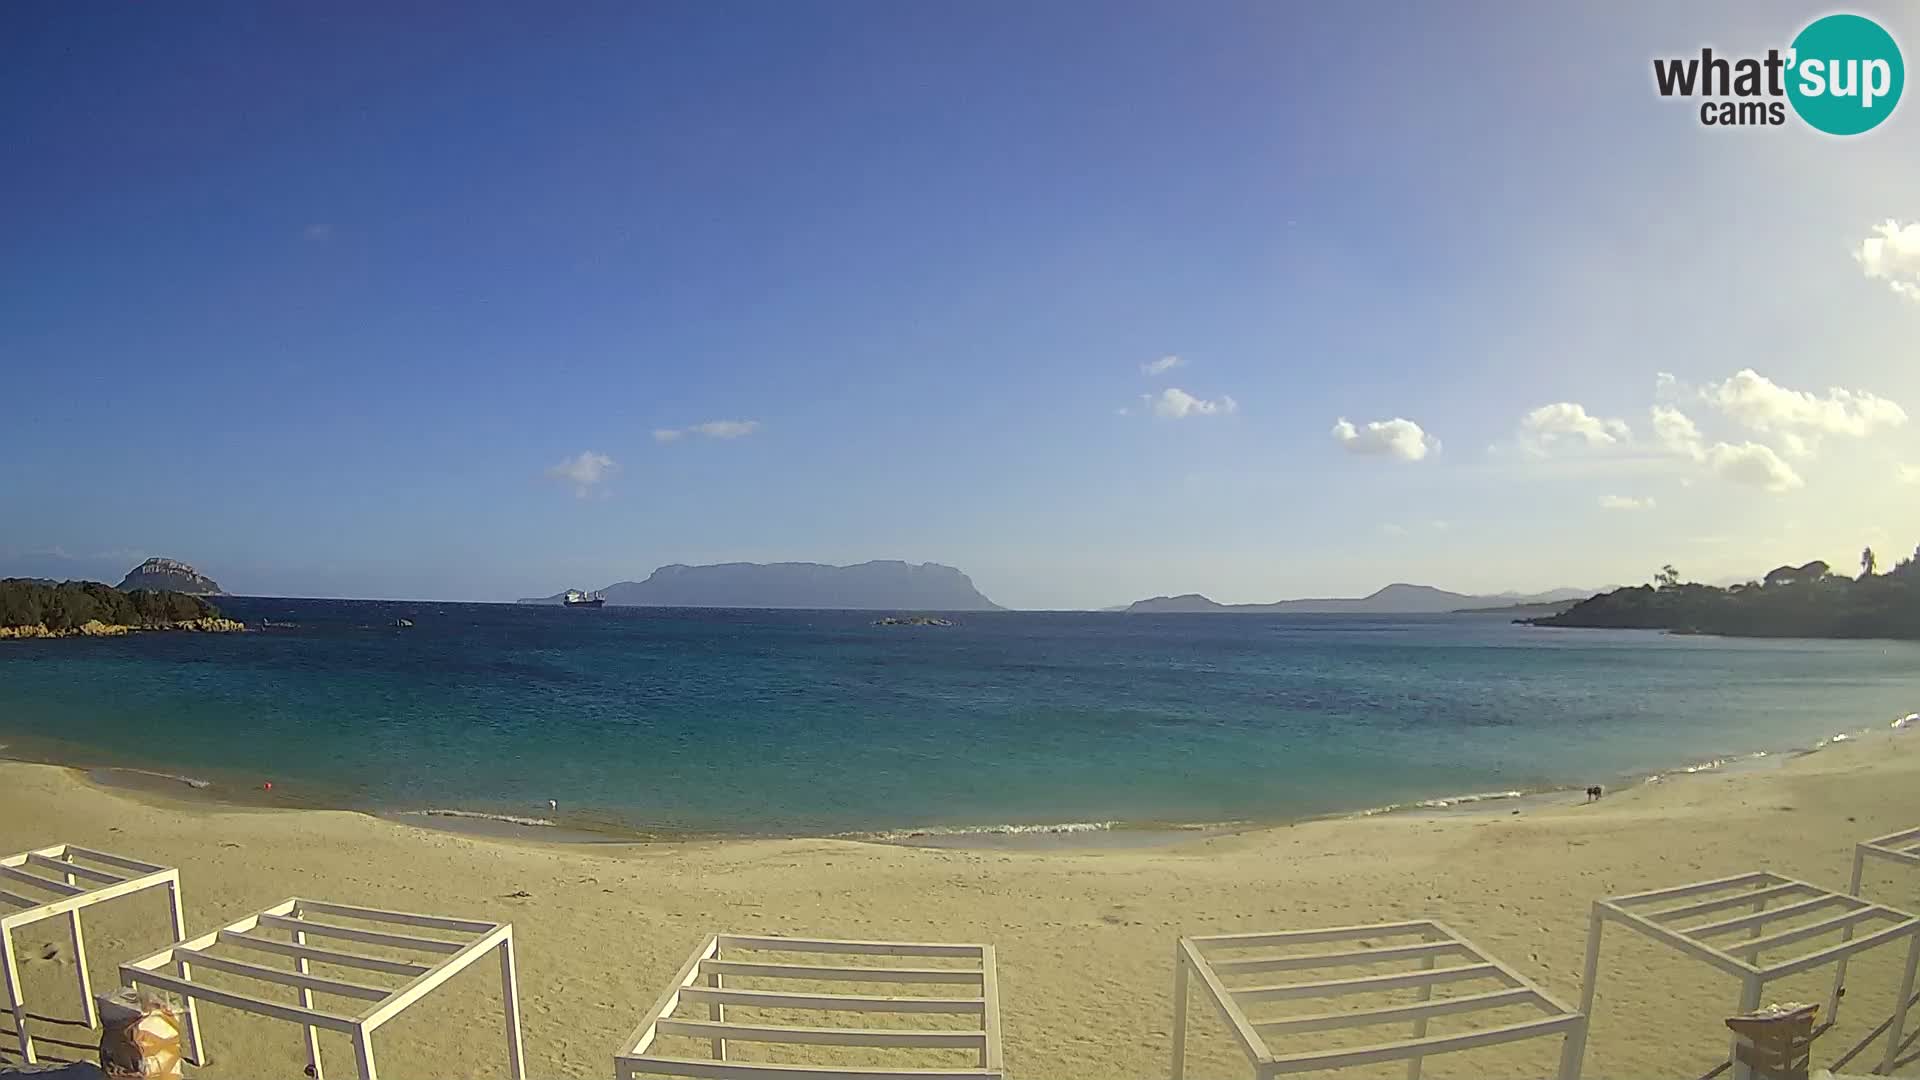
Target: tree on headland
x: 1809, y: 600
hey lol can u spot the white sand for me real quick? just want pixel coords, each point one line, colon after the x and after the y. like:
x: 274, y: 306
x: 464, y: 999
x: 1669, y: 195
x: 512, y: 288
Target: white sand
x: 1085, y: 939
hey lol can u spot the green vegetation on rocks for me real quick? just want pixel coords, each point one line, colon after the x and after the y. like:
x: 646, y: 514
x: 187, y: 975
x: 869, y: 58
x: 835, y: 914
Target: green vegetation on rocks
x: 31, y: 608
x: 1791, y: 601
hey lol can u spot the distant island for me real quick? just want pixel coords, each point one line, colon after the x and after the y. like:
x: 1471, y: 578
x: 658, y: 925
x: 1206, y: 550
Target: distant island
x: 1396, y: 599
x: 166, y: 574
x: 1791, y: 601
x: 883, y: 585
x: 31, y: 608
x: 1526, y: 610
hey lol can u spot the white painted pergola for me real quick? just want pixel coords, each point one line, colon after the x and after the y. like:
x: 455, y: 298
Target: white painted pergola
x: 63, y: 880
x: 425, y: 963
x: 1700, y: 929
x: 1901, y: 848
x: 963, y: 977
x: 1222, y: 960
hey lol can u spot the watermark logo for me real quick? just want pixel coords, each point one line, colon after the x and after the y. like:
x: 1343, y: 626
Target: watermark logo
x: 1842, y: 74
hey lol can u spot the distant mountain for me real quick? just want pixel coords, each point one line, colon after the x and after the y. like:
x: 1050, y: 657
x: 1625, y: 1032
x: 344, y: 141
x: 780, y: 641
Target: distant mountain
x: 1522, y: 610
x: 1396, y: 599
x: 1185, y: 604
x: 172, y: 576
x: 883, y: 585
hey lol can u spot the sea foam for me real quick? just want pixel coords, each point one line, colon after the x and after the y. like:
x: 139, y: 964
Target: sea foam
x: 477, y: 815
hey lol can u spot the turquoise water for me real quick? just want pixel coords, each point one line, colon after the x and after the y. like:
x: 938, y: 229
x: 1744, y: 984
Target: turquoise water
x: 820, y: 722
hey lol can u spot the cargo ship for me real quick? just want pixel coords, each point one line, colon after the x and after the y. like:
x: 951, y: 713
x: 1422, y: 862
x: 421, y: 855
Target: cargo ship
x: 576, y: 598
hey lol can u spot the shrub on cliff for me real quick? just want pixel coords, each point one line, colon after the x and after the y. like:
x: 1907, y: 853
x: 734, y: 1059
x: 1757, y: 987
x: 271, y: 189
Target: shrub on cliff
x: 72, y: 604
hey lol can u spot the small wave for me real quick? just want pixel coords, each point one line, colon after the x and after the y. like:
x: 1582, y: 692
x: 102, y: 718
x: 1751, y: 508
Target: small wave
x: 193, y: 782
x: 476, y: 815
x: 1467, y: 800
x: 1841, y: 737
x: 1443, y: 803
x: 981, y: 830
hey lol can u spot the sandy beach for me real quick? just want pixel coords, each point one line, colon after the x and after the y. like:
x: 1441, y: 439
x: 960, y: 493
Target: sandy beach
x: 1085, y: 937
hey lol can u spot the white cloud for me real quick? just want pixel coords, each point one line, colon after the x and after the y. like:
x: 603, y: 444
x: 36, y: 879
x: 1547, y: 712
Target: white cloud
x: 1893, y: 257
x: 1752, y: 399
x: 1162, y: 365
x: 1743, y: 463
x: 712, y: 429
x: 1751, y: 463
x: 585, y: 472
x: 1397, y: 437
x: 1178, y: 404
x: 1675, y: 432
x: 1566, y: 420
x: 1664, y: 382
x: 1795, y: 446
x: 1676, y: 436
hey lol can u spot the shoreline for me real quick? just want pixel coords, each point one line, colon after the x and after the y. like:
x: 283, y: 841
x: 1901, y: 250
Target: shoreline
x: 94, y: 628
x: 1117, y: 834
x: 1084, y: 937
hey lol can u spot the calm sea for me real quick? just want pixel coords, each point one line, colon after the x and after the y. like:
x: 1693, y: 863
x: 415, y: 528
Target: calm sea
x: 821, y: 722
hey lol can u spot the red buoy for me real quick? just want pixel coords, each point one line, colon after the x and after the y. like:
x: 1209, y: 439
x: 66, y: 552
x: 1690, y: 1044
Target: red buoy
x: 268, y: 786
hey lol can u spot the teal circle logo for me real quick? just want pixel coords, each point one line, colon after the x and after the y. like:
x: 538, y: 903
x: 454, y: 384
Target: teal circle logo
x: 1846, y: 74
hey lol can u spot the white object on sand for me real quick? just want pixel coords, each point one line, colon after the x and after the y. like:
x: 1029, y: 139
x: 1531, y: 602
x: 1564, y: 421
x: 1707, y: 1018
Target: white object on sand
x: 1912, y: 719
x: 1807, y: 910
x: 432, y: 961
x: 965, y: 975
x: 1902, y: 848
x: 1223, y: 964
x: 61, y: 880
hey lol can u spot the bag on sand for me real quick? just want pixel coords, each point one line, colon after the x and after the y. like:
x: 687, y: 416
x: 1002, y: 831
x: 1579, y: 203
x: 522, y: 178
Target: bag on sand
x: 139, y: 1037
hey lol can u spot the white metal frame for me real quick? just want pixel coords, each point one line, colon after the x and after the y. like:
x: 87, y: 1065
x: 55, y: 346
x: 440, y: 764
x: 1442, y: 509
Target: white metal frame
x: 1902, y: 848
x: 1431, y: 943
x: 435, y: 961
x: 1741, y: 957
x: 971, y: 990
x: 81, y: 878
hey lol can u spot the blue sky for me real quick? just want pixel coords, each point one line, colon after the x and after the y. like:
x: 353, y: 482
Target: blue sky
x: 319, y: 300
